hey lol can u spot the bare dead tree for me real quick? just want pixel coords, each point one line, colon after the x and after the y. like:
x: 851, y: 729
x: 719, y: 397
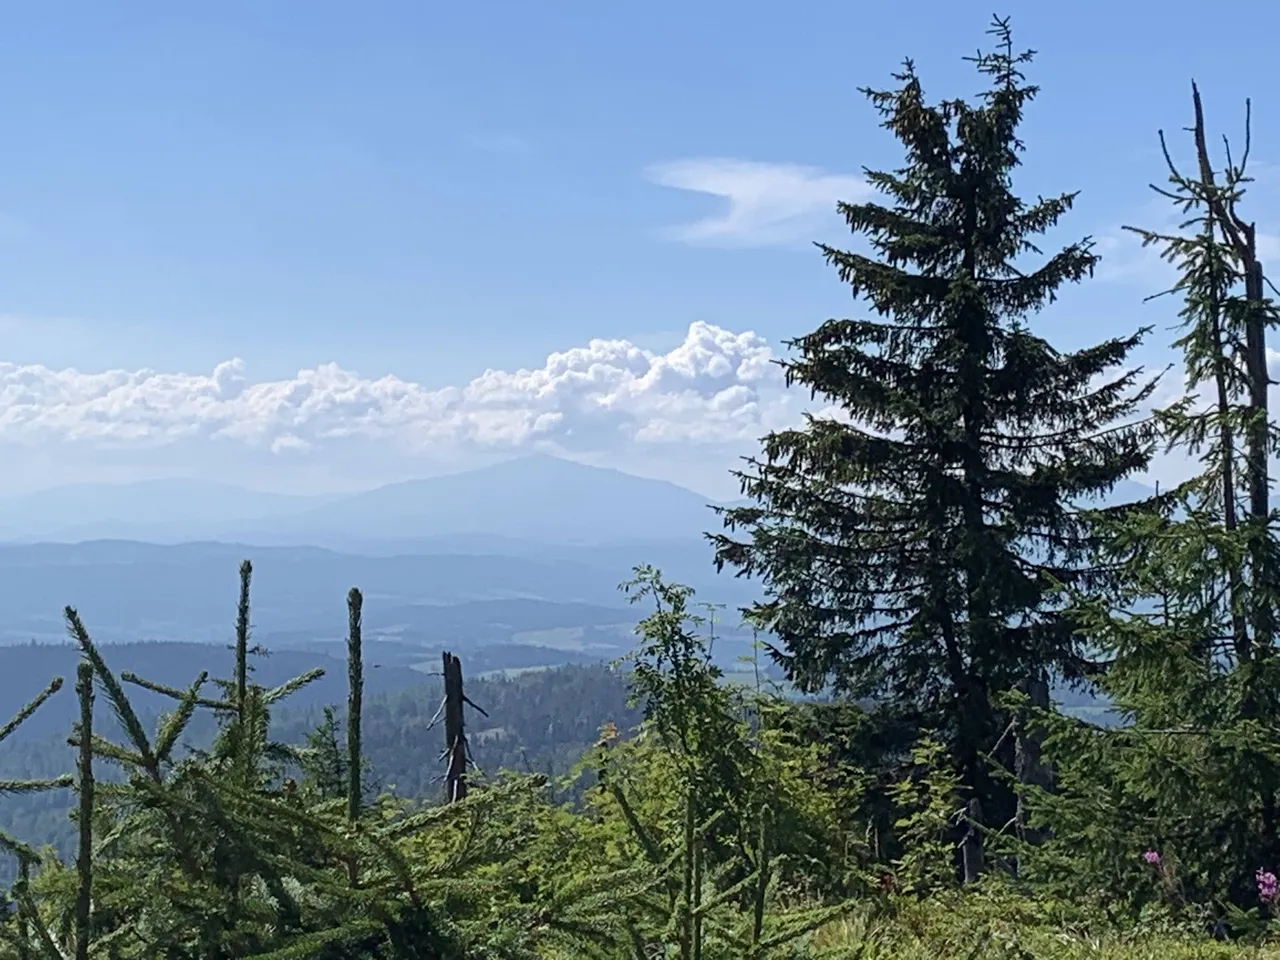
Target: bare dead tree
x: 457, y: 753
x: 1029, y: 765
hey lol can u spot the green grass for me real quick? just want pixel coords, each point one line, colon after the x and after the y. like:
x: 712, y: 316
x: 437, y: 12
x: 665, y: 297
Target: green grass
x: 980, y: 927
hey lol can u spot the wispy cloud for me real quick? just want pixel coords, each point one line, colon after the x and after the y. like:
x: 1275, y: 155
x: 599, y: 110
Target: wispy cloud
x: 1126, y: 260
x: 767, y: 203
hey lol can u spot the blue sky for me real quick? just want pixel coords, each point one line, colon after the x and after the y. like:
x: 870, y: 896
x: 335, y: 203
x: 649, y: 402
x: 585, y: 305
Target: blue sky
x: 428, y: 191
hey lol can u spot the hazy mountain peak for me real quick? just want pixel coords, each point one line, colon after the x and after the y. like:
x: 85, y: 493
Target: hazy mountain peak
x: 538, y: 497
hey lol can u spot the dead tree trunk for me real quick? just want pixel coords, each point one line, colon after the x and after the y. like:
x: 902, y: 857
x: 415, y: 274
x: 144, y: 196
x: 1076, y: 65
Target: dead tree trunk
x: 971, y: 846
x: 455, y: 780
x: 1242, y: 237
x: 1029, y: 764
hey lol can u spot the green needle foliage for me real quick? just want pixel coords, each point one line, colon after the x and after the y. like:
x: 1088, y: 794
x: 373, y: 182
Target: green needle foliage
x: 21, y: 935
x: 732, y: 822
x: 909, y: 539
x: 7, y: 843
x: 216, y: 854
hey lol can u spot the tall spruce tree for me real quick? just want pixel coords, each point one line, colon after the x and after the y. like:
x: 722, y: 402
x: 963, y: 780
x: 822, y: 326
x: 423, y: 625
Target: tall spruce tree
x: 909, y: 542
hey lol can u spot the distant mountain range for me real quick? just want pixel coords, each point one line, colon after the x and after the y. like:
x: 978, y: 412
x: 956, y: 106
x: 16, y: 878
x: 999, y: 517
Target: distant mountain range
x: 519, y: 507
x: 529, y: 552
x: 534, y: 499
x: 526, y: 554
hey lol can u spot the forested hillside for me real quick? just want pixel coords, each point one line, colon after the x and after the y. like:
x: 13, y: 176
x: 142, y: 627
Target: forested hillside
x: 933, y: 554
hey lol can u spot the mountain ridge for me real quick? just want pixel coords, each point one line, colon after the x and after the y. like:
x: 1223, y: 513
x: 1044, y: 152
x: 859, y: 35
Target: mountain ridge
x: 536, y: 498
x: 501, y: 508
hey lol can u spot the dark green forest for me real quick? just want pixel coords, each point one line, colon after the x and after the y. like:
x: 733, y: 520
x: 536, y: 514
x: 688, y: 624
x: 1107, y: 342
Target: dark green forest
x: 933, y: 559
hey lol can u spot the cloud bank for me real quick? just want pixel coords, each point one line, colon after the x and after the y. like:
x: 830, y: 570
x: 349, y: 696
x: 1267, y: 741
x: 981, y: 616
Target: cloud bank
x: 686, y: 413
x: 715, y: 387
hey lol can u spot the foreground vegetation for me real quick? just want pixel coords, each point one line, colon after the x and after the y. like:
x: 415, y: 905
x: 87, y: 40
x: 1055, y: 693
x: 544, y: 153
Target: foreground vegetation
x: 933, y: 559
x: 733, y: 819
x: 539, y: 722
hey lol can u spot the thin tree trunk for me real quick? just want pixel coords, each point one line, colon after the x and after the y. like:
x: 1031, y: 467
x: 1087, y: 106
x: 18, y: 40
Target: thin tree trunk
x: 84, y: 855
x: 971, y: 846
x: 1259, y: 481
x: 355, y: 697
x: 23, y: 890
x: 242, y: 640
x: 1029, y: 764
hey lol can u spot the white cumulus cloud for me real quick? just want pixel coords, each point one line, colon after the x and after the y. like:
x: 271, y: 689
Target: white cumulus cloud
x: 767, y: 203
x: 715, y: 387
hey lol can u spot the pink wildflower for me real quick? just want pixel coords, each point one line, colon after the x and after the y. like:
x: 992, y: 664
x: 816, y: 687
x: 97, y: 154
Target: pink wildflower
x: 1267, y: 885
